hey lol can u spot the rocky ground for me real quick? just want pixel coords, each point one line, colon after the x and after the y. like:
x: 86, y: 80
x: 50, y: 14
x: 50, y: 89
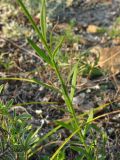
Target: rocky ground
x: 89, y: 25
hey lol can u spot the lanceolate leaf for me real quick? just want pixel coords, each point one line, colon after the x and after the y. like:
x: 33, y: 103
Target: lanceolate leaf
x: 89, y: 121
x: 43, y: 19
x: 58, y: 47
x: 70, y: 74
x: 65, y: 125
x: 1, y: 88
x: 33, y: 24
x: 91, y: 114
x: 47, y: 86
x: 40, y: 52
x: 74, y: 79
x: 33, y: 81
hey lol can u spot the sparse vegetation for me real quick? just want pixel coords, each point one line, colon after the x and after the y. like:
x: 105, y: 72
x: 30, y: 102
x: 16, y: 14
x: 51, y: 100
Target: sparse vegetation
x: 80, y: 136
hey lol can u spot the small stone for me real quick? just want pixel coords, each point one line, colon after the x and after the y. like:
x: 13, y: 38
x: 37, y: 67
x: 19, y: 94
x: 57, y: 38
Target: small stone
x: 84, y: 80
x: 10, y: 55
x: 92, y: 29
x: 75, y: 46
x: 97, y: 87
x: 41, y: 88
x: 38, y: 112
x: 21, y: 59
x: 69, y: 3
x: 88, y: 90
x: 79, y: 99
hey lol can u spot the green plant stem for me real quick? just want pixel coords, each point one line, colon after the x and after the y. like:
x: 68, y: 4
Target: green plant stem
x: 69, y: 104
x: 65, y: 94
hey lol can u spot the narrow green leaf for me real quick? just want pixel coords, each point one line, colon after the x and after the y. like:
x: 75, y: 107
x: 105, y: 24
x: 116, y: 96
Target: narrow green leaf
x: 61, y: 155
x: 90, y: 118
x: 42, y: 139
x: 24, y: 116
x: 42, y: 102
x: 58, y: 47
x: 47, y: 86
x: 65, y: 125
x: 74, y: 79
x: 89, y: 121
x: 32, y: 81
x: 40, y: 52
x: 33, y: 24
x: 32, y: 137
x: 78, y: 149
x: 95, y: 127
x: 28, y: 139
x: 43, y: 19
x: 70, y: 74
x: 51, y: 40
x: 9, y: 104
x: 64, y: 143
x: 1, y: 88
